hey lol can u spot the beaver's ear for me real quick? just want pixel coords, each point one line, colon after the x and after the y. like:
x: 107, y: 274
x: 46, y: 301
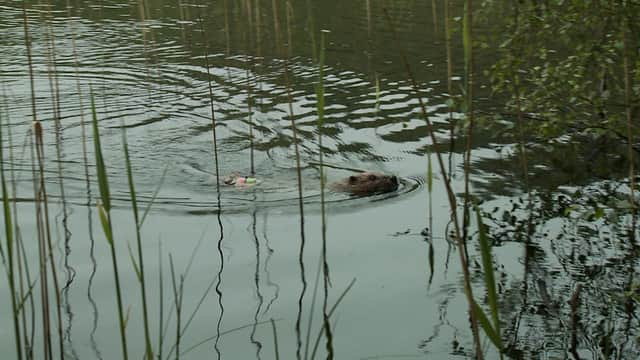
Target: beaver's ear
x: 352, y: 179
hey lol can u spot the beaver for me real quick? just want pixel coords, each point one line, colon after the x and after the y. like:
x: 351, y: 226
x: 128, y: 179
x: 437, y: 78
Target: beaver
x: 362, y: 184
x: 366, y: 183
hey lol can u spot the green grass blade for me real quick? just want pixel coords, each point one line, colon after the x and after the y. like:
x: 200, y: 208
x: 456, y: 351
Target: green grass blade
x: 25, y: 297
x: 486, y: 326
x: 136, y: 268
x: 104, y: 220
x: 487, y: 264
x: 329, y: 314
x: 103, y: 182
x: 154, y: 196
x: 127, y: 161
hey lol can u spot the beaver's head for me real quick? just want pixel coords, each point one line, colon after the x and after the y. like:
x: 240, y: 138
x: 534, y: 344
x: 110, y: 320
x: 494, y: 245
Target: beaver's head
x: 368, y: 183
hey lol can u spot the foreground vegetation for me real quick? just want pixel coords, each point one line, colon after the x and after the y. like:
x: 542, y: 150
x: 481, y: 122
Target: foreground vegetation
x: 566, y: 80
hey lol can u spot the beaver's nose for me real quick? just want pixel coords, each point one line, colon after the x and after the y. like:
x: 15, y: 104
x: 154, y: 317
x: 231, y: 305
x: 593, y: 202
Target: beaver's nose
x: 394, y: 180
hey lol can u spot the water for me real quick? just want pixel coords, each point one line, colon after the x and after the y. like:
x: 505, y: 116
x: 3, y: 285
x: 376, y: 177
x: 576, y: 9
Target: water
x: 150, y: 78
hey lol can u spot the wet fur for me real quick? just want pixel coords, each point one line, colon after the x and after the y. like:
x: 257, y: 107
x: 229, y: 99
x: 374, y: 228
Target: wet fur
x: 366, y: 183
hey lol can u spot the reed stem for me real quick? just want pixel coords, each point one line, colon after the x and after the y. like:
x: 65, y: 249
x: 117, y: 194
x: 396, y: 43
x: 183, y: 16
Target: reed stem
x: 104, y: 210
x: 325, y: 264
x: 450, y: 194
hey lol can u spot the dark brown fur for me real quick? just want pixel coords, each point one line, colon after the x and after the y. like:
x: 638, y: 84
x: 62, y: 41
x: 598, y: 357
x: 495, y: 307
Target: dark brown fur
x: 366, y: 183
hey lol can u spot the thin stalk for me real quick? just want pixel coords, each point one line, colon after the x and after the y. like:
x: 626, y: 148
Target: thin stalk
x: 49, y: 243
x: 275, y: 339
x: 452, y: 124
x: 42, y: 262
x: 213, y: 113
x: 219, y: 212
x: 9, y: 237
x: 55, y: 98
x: 161, y: 301
x: 23, y: 263
x: 450, y: 195
x: 44, y: 287
x: 429, y: 235
x: 294, y: 132
x: 312, y: 310
x: 136, y: 218
x: 468, y: 56
x: 47, y: 226
x: 222, y: 333
x: 104, y: 210
x: 85, y: 160
x: 178, y: 291
x: 325, y: 264
x: 249, y: 120
x: 331, y: 311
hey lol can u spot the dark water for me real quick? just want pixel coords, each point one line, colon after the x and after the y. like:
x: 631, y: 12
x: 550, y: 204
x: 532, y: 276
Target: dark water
x: 150, y: 78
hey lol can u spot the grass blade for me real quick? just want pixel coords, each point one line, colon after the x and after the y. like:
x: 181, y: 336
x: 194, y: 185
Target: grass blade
x: 486, y: 326
x: 103, y: 183
x: 489, y: 279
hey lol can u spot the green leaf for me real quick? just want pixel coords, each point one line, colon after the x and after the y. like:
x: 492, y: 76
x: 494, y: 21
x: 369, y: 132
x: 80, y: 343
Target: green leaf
x: 103, y: 182
x: 154, y: 196
x: 104, y: 219
x: 486, y: 326
x: 133, y: 262
x: 487, y: 265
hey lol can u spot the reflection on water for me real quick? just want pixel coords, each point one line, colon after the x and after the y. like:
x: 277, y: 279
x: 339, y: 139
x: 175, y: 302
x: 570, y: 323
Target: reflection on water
x: 146, y: 64
x: 159, y: 90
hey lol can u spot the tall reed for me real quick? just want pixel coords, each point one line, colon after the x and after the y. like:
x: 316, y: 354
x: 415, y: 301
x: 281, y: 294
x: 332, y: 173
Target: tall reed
x: 467, y: 43
x: 219, y: 202
x: 138, y: 227
x: 26, y: 285
x: 134, y: 202
x: 294, y: 132
x: 450, y: 102
x: 178, y: 292
x: 104, y: 211
x: 325, y: 264
x: 329, y: 314
x: 7, y: 258
x: 44, y: 287
x: 213, y: 112
x: 54, y: 87
x: 450, y: 194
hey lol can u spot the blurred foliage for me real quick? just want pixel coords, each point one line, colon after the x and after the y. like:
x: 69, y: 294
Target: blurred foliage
x: 565, y: 59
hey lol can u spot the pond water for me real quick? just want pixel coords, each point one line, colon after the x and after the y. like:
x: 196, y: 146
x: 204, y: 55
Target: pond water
x: 238, y: 250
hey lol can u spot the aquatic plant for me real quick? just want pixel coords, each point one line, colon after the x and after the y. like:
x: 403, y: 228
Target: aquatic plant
x: 104, y: 211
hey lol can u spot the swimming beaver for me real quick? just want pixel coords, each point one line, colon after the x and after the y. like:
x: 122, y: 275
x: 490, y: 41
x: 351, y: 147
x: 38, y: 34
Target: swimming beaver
x: 362, y: 184
x: 366, y: 183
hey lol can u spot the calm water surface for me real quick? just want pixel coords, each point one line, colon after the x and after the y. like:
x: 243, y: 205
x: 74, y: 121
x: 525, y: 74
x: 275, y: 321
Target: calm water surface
x: 150, y: 77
